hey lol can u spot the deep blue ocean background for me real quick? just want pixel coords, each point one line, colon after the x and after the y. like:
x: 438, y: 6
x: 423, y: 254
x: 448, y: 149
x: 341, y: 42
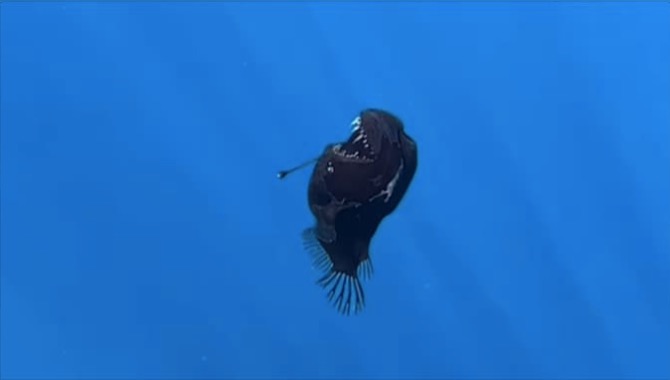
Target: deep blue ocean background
x: 145, y: 235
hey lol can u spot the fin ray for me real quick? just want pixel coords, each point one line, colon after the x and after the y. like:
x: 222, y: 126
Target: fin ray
x: 343, y: 290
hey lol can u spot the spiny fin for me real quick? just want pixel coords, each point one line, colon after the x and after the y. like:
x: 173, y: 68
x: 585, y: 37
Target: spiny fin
x: 343, y: 290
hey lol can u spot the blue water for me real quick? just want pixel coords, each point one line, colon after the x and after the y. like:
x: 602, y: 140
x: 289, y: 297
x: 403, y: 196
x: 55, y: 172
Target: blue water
x: 144, y: 233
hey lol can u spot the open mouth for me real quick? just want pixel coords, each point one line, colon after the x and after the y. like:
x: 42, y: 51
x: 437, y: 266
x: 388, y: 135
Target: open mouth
x: 357, y: 147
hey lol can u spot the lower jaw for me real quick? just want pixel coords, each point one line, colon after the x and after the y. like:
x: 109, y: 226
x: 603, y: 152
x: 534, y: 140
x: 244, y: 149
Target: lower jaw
x: 351, y: 157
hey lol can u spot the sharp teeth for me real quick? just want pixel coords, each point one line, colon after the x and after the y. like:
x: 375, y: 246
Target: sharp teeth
x: 356, y: 124
x: 358, y: 138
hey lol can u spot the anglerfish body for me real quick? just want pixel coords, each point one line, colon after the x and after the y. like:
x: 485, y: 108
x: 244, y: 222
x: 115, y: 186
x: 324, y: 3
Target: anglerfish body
x: 355, y: 184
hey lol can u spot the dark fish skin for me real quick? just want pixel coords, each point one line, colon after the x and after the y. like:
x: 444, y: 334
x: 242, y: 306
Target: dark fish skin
x: 355, y: 184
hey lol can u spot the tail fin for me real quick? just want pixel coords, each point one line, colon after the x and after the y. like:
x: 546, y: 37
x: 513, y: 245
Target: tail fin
x: 344, y: 290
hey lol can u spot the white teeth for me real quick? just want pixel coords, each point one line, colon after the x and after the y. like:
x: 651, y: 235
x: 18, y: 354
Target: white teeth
x: 356, y: 124
x: 358, y: 138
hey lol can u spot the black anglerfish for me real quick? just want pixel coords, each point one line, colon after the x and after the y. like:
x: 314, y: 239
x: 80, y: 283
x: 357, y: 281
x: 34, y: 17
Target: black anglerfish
x: 355, y: 184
